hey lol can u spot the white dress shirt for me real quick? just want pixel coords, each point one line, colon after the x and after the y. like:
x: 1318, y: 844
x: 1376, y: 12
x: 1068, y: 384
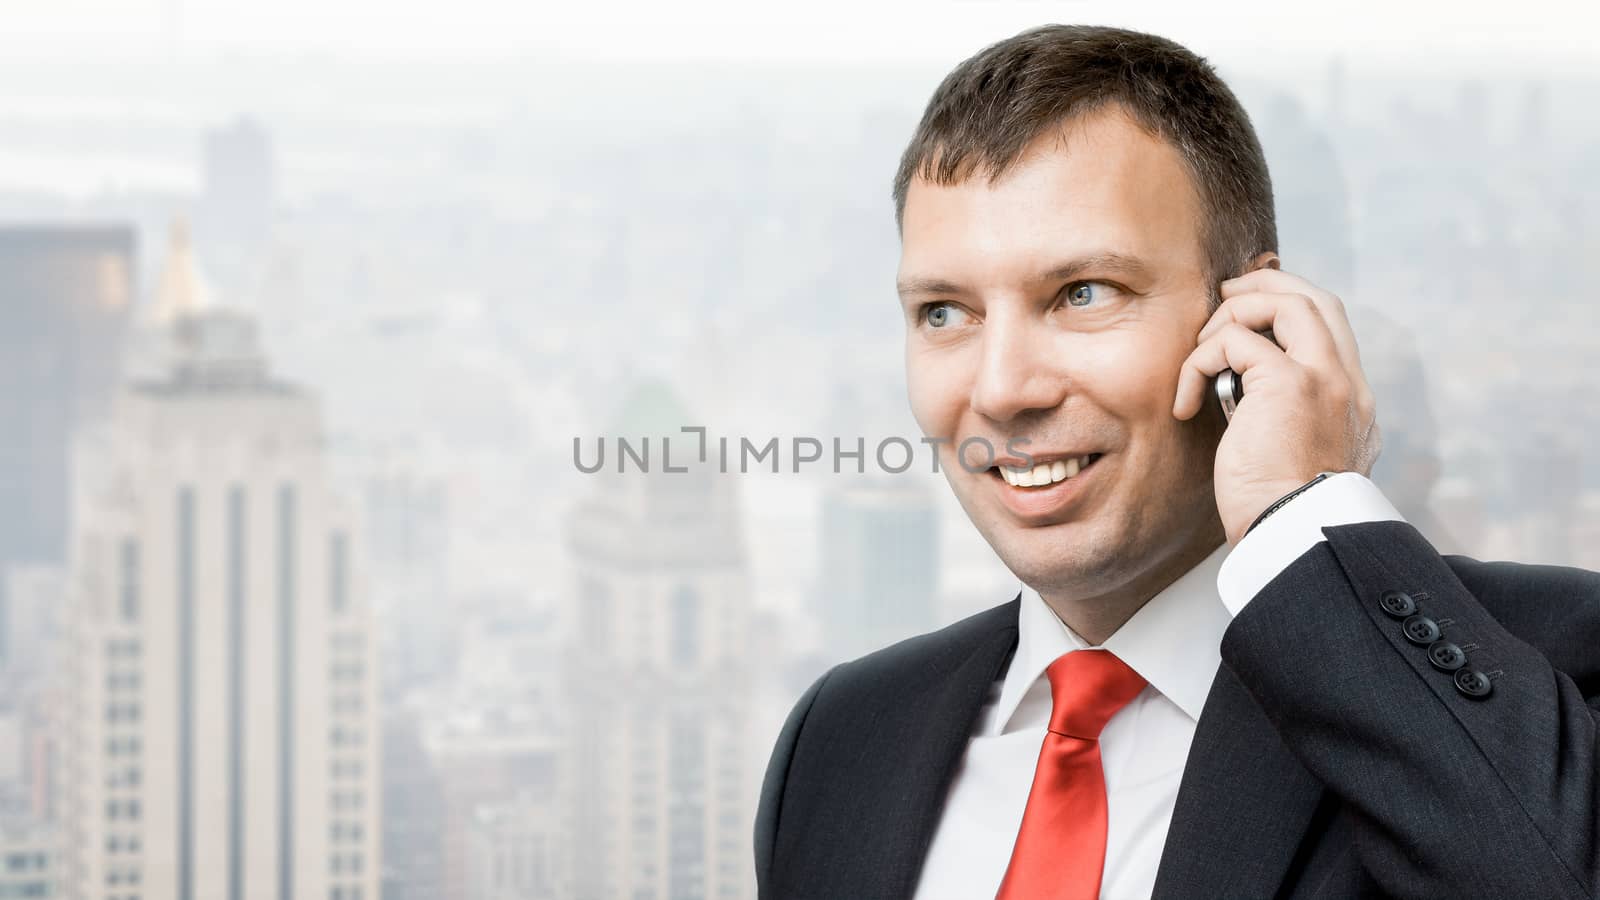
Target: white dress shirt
x: 1174, y: 642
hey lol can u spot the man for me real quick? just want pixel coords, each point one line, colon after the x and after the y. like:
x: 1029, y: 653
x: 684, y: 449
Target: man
x: 1232, y: 671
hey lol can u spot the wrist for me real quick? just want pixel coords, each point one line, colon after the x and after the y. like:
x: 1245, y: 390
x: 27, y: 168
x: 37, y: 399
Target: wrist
x: 1284, y: 500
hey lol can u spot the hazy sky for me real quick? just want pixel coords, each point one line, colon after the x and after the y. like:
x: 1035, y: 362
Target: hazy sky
x: 1554, y: 36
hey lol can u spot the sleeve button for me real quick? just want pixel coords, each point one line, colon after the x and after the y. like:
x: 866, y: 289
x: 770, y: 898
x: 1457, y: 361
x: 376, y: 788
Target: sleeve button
x: 1473, y: 683
x: 1397, y: 603
x: 1445, y: 656
x: 1420, y: 629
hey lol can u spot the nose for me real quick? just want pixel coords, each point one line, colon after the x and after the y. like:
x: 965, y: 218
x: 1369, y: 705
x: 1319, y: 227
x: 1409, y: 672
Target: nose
x: 1016, y: 370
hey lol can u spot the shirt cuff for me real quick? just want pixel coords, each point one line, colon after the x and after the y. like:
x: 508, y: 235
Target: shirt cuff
x: 1281, y: 538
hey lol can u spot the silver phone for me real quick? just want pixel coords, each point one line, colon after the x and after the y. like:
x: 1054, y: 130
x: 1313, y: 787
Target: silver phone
x: 1229, y: 388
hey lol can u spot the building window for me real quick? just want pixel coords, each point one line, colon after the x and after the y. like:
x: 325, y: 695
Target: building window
x: 287, y: 659
x: 238, y: 607
x: 128, y: 559
x: 685, y: 626
x: 339, y: 572
x: 187, y: 600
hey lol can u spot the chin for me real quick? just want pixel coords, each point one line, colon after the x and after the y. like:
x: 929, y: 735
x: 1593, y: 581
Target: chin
x: 1057, y: 557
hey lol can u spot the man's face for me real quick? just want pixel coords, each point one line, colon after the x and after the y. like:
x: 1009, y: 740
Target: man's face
x: 1055, y: 306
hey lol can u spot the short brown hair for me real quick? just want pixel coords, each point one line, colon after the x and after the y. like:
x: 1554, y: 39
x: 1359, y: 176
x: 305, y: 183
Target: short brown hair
x: 994, y: 104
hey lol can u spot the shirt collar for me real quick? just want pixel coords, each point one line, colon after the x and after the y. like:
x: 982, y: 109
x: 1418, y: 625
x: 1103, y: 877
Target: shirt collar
x: 1174, y: 641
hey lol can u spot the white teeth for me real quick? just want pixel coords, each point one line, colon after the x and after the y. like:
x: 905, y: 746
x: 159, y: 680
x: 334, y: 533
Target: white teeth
x: 1044, y: 473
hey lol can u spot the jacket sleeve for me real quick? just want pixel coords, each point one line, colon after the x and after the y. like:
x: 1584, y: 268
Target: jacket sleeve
x: 772, y: 785
x: 1460, y: 779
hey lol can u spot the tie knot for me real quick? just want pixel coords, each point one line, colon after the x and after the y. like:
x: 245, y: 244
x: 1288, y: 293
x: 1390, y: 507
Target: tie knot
x: 1087, y: 687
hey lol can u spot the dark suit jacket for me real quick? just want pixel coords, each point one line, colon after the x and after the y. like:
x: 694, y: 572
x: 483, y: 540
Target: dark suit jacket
x: 1332, y: 759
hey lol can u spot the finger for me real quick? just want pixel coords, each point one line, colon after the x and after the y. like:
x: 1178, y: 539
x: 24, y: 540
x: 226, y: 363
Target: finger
x: 1293, y: 319
x: 1328, y: 304
x: 1304, y: 332
x: 1267, y: 280
x: 1232, y: 347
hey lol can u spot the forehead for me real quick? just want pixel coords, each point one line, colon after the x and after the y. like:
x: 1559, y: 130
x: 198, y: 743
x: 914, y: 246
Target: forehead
x: 1097, y: 183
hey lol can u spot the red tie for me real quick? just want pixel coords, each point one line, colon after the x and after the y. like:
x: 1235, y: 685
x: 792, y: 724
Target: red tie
x: 1061, y: 847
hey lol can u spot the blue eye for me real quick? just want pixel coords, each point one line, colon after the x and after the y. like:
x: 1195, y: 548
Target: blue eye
x: 1082, y: 293
x: 937, y: 315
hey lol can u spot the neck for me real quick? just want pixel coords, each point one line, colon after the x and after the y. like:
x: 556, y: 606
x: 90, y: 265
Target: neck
x: 1095, y: 617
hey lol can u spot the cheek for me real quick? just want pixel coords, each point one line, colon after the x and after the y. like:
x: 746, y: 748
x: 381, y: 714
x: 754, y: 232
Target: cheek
x: 934, y: 385
x: 1135, y: 377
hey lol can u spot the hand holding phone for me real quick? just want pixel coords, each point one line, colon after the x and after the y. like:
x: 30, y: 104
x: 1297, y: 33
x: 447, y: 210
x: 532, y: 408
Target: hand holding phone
x: 1311, y: 409
x: 1228, y: 387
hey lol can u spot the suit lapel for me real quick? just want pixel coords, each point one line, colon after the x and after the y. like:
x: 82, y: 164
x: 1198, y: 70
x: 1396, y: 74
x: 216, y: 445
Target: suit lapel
x: 1244, y: 804
x: 929, y: 733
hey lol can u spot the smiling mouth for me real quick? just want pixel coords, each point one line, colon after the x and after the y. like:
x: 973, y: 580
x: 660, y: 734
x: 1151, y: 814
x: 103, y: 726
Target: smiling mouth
x: 1046, y: 474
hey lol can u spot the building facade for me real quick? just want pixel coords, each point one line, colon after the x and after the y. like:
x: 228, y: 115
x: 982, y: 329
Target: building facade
x: 220, y: 731
x: 66, y: 290
x: 658, y: 680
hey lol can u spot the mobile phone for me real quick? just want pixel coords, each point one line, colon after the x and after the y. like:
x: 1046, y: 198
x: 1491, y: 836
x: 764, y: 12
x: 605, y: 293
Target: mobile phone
x: 1229, y: 390
x: 1227, y: 386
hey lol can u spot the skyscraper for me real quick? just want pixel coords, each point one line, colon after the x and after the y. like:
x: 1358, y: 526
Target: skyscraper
x: 238, y: 184
x: 658, y: 678
x: 413, y: 812
x: 219, y: 734
x: 66, y: 291
x: 878, y: 565
x: 407, y: 529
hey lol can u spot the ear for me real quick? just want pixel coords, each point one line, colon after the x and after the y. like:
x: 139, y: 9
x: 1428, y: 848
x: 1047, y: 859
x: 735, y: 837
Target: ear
x: 1266, y: 259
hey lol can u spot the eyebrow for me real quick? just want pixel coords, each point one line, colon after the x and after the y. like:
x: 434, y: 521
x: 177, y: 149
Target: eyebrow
x: 1118, y: 263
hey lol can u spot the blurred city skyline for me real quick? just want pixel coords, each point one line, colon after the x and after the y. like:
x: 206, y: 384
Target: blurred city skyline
x: 466, y: 264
